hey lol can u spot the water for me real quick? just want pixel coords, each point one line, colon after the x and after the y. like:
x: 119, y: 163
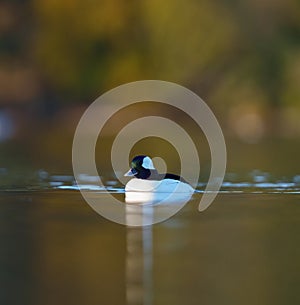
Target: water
x: 243, y: 249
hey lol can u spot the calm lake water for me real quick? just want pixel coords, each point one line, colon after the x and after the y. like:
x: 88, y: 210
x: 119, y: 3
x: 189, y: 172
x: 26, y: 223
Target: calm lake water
x: 244, y: 249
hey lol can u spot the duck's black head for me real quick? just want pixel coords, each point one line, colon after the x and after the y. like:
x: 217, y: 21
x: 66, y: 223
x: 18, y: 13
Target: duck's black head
x: 141, y: 167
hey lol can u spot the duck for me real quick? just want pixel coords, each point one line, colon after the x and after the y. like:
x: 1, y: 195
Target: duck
x: 148, y: 185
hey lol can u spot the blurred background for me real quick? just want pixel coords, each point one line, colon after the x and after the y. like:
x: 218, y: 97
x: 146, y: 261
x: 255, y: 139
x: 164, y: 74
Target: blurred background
x: 241, y: 57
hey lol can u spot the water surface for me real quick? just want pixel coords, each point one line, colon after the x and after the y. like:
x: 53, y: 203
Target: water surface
x: 243, y: 249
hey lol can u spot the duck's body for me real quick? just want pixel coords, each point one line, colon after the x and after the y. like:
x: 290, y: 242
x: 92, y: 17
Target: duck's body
x: 151, y: 185
x: 158, y: 186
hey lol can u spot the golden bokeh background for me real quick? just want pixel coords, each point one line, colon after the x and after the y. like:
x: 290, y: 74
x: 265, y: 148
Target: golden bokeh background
x: 56, y: 57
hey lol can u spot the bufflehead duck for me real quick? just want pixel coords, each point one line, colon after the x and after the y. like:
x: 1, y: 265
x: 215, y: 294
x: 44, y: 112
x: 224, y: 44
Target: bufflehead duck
x: 147, y: 179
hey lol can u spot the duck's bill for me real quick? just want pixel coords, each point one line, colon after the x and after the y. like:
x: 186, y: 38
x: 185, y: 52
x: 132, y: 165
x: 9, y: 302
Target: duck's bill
x: 130, y: 173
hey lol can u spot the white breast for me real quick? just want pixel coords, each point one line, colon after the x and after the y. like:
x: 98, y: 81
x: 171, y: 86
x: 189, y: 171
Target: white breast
x: 161, y: 186
x: 151, y: 191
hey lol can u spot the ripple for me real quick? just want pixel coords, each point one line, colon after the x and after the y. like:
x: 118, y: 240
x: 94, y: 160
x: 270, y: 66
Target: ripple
x: 256, y: 182
x: 227, y: 188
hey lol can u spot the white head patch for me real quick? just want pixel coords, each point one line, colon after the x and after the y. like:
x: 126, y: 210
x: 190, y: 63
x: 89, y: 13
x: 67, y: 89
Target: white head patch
x: 147, y: 163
